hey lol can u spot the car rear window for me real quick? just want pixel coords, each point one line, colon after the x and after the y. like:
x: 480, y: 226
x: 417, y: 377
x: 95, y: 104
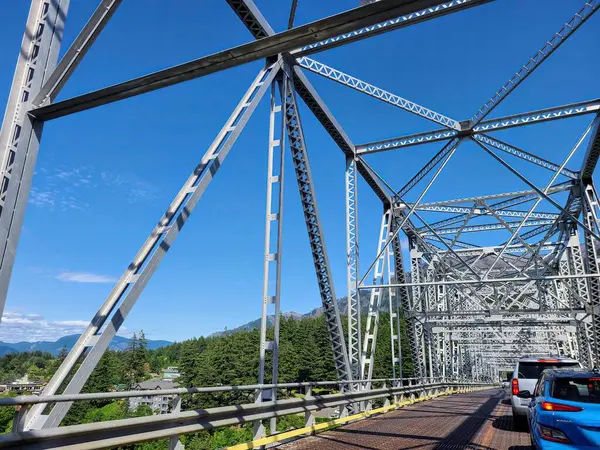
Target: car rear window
x: 534, y: 369
x: 585, y: 390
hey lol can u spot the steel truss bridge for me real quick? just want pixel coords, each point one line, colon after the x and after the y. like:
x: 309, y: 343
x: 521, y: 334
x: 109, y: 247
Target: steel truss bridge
x: 470, y: 310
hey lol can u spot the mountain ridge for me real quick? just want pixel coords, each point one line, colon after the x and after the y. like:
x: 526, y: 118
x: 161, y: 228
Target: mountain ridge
x: 317, y: 312
x: 54, y: 347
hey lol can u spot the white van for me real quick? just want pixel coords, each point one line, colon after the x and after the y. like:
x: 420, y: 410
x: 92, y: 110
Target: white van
x: 525, y: 376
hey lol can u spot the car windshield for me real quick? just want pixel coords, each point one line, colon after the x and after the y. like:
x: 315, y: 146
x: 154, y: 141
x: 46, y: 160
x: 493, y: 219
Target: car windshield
x: 534, y: 369
x: 585, y: 390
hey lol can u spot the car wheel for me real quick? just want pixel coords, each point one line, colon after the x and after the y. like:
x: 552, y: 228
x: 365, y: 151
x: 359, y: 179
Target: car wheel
x: 520, y: 422
x: 533, y: 446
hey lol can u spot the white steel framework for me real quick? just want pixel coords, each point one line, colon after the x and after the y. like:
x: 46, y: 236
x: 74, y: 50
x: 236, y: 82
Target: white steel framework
x: 465, y: 310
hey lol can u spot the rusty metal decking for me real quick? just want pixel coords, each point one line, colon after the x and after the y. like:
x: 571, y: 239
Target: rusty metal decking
x: 476, y: 420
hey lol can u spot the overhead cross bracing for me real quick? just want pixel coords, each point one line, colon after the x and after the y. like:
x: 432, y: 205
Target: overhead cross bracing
x: 475, y: 279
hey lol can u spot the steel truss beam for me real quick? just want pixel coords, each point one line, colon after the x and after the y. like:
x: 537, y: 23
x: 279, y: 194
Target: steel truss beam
x: 589, y: 8
x: 500, y: 123
x: 398, y: 22
x: 512, y: 150
x: 487, y: 227
x: 376, y: 295
x: 271, y: 293
x: 502, y: 212
x: 354, y: 312
x: 447, y: 310
x: 375, y: 92
x: 269, y: 46
x: 109, y: 318
x: 20, y: 135
x: 516, y: 197
x: 315, y: 232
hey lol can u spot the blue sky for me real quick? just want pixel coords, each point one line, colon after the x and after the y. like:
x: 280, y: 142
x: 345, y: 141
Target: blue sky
x: 105, y: 176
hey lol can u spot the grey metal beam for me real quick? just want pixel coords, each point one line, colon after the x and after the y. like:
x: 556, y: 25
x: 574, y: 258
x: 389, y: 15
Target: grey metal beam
x: 592, y: 154
x: 486, y: 227
x: 486, y: 281
x: 318, y: 107
x: 315, y: 232
x: 373, y: 91
x: 530, y: 194
x: 439, y: 156
x: 500, y: 123
x: 20, y: 135
x: 266, y: 47
x: 538, y: 116
x: 586, y: 11
x: 76, y: 52
x: 519, y: 153
x: 109, y: 318
x: 425, y: 137
x: 438, y: 10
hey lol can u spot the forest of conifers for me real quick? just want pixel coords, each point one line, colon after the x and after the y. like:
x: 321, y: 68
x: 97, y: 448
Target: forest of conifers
x: 228, y: 359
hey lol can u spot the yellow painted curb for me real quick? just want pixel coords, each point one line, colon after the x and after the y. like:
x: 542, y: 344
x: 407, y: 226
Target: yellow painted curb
x: 331, y: 423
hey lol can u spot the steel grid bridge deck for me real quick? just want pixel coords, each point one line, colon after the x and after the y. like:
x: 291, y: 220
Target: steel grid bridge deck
x: 474, y: 420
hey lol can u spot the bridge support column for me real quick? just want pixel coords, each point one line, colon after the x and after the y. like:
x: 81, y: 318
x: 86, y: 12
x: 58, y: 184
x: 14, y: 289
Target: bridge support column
x: 376, y: 295
x: 580, y: 286
x: 271, y: 293
x: 21, y: 135
x: 418, y: 343
x: 312, y: 220
x: 591, y: 218
x: 352, y: 270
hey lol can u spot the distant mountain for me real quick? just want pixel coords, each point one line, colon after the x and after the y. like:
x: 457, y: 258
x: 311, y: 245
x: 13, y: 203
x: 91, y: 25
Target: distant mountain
x: 317, y: 312
x: 256, y: 324
x: 118, y: 343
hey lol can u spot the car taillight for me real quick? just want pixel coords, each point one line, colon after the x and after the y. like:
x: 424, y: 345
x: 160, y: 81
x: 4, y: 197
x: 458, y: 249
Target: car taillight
x: 515, y: 386
x: 548, y: 360
x: 550, y: 406
x: 552, y: 434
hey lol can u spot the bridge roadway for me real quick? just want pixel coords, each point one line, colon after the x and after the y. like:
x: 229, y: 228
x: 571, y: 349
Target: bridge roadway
x: 476, y: 421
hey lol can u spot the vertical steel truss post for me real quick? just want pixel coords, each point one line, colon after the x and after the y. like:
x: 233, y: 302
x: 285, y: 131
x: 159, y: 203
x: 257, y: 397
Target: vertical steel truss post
x: 315, y: 232
x: 581, y: 287
x: 591, y: 219
x: 394, y: 303
x: 370, y: 340
x: 354, y: 313
x: 402, y: 296
x: 109, y: 318
x: 273, y: 250
x: 417, y: 330
x: 20, y: 136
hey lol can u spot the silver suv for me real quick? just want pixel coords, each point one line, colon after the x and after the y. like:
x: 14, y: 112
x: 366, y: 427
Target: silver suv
x: 525, y: 376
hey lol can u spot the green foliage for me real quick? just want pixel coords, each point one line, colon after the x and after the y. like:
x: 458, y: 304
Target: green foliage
x: 38, y: 365
x: 136, y: 363
x: 229, y: 359
x: 7, y: 413
x: 224, y: 437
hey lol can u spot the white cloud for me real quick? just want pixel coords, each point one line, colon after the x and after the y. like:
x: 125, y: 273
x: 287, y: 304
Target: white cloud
x: 84, y: 277
x: 65, y: 189
x: 16, y: 327
x: 135, y: 189
x: 55, y: 200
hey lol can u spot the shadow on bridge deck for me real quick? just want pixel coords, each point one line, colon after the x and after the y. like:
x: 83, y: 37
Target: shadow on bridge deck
x: 476, y: 421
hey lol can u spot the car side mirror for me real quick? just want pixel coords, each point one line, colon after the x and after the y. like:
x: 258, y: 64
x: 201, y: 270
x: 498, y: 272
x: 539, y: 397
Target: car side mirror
x: 524, y: 394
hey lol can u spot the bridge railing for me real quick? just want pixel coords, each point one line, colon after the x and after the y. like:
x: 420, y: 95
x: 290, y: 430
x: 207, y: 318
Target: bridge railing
x: 171, y: 425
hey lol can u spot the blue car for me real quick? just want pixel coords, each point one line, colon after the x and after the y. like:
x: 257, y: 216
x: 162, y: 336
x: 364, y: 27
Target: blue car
x: 564, y: 412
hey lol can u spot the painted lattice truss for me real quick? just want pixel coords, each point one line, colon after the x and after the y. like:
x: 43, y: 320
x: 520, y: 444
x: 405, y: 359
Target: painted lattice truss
x: 468, y: 309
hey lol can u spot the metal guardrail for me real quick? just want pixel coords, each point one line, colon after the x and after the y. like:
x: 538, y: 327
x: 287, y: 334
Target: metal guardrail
x: 128, y: 431
x: 58, y: 398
